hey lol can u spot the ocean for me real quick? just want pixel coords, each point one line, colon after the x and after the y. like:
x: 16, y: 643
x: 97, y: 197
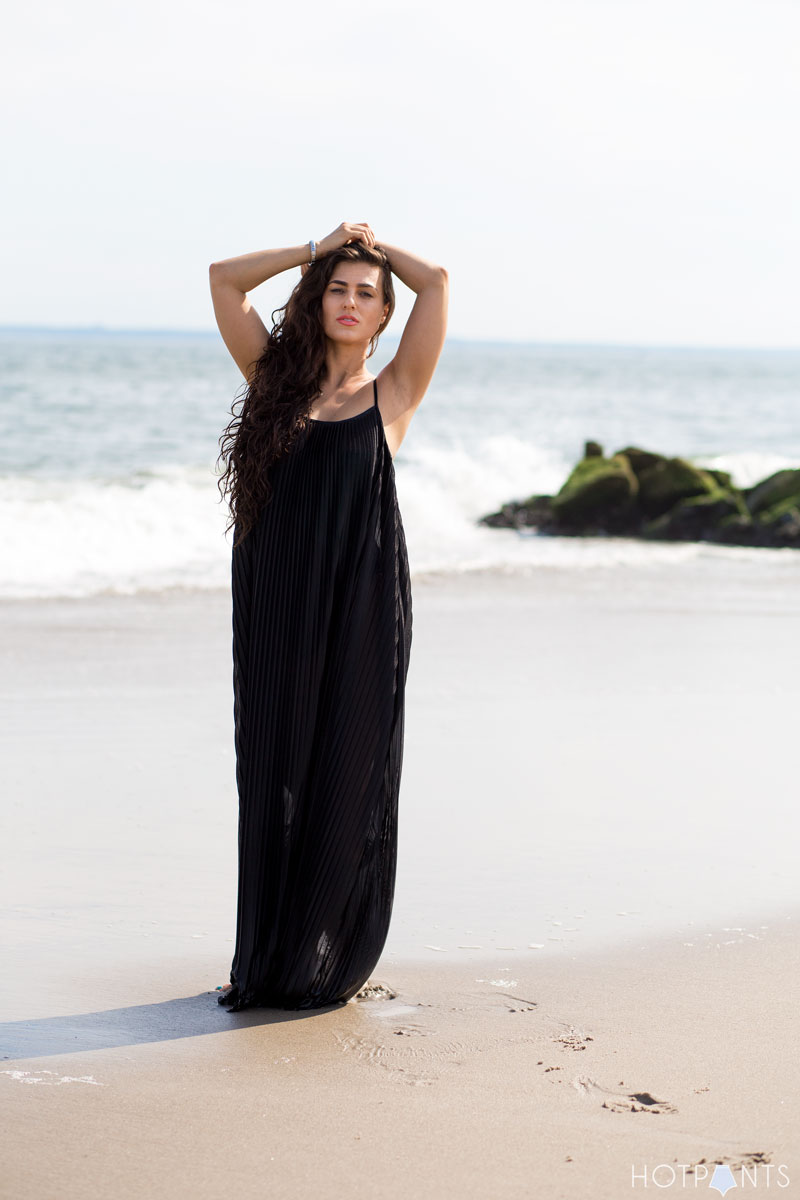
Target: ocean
x: 108, y: 445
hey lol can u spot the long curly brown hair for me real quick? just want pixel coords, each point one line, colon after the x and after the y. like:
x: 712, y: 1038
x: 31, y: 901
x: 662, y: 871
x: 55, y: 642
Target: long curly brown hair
x: 274, y: 408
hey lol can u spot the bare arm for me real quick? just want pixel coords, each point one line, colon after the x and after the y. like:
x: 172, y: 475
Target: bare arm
x: 242, y: 329
x: 414, y: 363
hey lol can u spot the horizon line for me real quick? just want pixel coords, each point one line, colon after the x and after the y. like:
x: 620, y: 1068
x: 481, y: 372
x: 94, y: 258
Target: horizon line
x: 165, y: 331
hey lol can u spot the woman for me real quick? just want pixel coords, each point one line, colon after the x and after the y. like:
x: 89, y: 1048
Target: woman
x: 321, y: 606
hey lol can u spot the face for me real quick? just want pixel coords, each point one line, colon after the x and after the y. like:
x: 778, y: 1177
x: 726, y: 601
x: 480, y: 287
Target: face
x: 352, y: 303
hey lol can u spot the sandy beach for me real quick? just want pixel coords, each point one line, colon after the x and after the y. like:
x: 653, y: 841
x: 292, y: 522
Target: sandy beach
x: 593, y: 952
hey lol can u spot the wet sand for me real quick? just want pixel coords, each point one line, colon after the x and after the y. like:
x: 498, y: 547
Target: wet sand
x: 566, y: 1078
x: 593, y: 949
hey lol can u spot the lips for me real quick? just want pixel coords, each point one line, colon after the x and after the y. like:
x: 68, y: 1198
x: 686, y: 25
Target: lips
x: 347, y: 320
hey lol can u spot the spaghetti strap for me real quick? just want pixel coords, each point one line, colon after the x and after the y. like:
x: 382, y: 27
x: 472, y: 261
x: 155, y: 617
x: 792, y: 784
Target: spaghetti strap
x: 375, y: 389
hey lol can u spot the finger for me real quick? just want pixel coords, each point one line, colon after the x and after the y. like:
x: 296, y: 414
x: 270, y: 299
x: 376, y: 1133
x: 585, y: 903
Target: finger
x: 360, y: 230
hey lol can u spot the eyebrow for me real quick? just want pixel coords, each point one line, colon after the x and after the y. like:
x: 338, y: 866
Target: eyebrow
x: 344, y: 282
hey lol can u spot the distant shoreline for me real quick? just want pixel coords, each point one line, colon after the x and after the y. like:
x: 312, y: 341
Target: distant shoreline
x: 207, y: 334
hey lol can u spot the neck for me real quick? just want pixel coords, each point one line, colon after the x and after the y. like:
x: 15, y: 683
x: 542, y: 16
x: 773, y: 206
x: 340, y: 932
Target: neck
x: 343, y: 364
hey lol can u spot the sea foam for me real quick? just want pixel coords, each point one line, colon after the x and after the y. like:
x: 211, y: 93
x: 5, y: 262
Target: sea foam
x: 166, y: 527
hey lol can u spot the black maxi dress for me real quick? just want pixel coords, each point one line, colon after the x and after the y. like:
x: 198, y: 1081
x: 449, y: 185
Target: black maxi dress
x: 321, y: 642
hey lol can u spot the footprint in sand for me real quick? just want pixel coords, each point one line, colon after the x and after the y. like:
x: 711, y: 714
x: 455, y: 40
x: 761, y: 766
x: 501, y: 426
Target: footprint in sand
x: 755, y: 1158
x: 403, y: 1043
x: 573, y: 1039
x: 398, y: 1056
x: 622, y: 1101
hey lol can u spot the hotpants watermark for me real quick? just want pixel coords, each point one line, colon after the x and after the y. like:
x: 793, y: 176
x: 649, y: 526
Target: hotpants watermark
x: 706, y: 1176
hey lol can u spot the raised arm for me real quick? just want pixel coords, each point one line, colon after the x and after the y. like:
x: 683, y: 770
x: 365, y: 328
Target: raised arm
x: 412, y: 368
x: 242, y: 329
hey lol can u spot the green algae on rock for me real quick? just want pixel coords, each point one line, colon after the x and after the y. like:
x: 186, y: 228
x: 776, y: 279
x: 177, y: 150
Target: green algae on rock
x: 639, y: 493
x: 597, y: 487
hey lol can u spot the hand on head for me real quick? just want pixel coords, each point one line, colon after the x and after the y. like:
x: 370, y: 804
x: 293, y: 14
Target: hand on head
x: 343, y: 235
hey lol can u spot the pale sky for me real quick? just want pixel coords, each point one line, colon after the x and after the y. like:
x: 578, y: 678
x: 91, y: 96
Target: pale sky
x: 587, y: 170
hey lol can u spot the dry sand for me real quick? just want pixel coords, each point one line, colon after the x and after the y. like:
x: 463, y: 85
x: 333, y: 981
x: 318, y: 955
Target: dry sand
x: 599, y: 776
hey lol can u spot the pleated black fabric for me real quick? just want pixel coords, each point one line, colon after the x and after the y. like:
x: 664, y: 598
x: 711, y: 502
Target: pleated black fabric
x: 321, y: 643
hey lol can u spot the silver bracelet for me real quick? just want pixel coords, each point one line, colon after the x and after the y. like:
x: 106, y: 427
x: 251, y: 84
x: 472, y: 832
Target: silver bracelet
x: 313, y: 246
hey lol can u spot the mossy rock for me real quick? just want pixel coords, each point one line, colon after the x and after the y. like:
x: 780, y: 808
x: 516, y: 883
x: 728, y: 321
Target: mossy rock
x: 504, y: 518
x: 639, y: 459
x: 783, y: 485
x: 596, y: 487
x: 741, y: 504
x: 637, y: 492
x: 535, y: 512
x: 734, y: 493
x: 774, y: 513
x: 737, y: 520
x: 666, y: 483
x: 694, y: 519
x: 738, y: 530
x: 780, y: 524
x: 723, y: 478
x: 743, y: 531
